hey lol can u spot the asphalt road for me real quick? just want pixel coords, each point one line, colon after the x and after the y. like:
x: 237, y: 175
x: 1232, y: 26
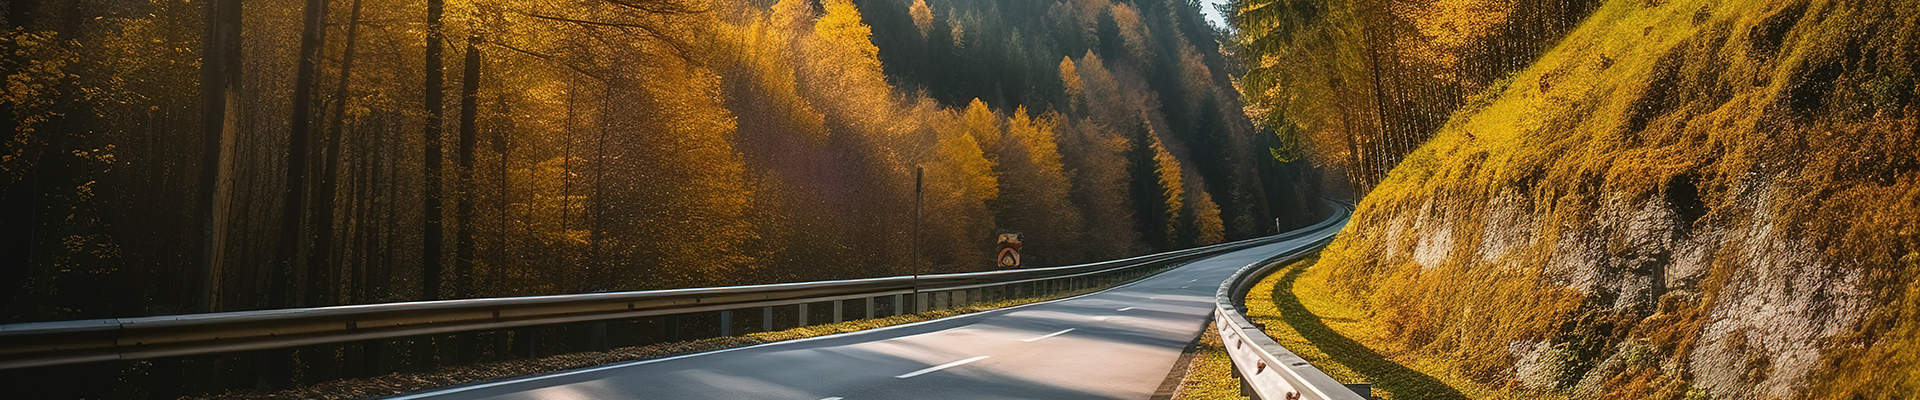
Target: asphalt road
x: 1116, y: 344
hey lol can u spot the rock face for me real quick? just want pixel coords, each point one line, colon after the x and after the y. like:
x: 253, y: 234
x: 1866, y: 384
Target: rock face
x: 1681, y: 200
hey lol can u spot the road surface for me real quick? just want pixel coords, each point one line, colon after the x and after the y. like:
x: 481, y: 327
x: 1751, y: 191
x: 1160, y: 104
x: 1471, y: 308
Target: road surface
x: 1116, y: 344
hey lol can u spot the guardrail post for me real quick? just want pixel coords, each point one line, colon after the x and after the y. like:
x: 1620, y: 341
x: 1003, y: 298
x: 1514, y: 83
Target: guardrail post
x: 597, y: 336
x: 803, y: 314
x: 370, y: 358
x: 526, y: 342
x: 1365, y: 390
x: 1246, y: 388
x: 899, y: 304
x: 869, y: 308
x: 726, y: 323
x: 766, y: 319
x: 164, y: 379
x: 673, y: 328
x: 919, y: 302
x: 277, y: 373
x: 839, y: 306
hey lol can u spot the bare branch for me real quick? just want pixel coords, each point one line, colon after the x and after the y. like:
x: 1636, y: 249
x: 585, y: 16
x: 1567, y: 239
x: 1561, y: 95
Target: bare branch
x: 656, y: 6
x: 549, y: 59
x: 679, y: 49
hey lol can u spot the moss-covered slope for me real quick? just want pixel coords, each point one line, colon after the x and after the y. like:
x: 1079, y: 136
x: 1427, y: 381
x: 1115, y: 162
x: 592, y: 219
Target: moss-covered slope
x: 1682, y: 199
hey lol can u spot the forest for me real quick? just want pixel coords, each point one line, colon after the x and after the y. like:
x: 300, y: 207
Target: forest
x: 171, y: 156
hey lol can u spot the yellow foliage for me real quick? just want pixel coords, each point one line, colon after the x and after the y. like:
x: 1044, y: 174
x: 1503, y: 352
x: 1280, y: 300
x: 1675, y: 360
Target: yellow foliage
x: 922, y: 17
x: 960, y: 183
x: 1070, y: 76
x: 759, y: 53
x: 843, y: 73
x: 1167, y: 168
x: 32, y: 91
x: 1653, y: 130
x: 982, y: 125
x: 1206, y: 219
x: 1133, y: 32
x: 1036, y: 135
x: 1299, y: 308
x: 967, y: 158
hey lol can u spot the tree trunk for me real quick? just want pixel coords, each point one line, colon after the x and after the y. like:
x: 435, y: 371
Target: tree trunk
x: 1375, y: 170
x: 430, y: 248
x: 324, y: 292
x: 220, y: 120
x: 469, y: 90
x: 566, y: 181
x: 283, y: 275
x: 501, y: 147
x: 596, y: 210
x: 16, y: 195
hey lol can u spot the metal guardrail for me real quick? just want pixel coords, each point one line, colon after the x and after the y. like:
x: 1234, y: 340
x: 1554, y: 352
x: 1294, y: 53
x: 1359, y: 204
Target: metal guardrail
x: 39, y: 344
x: 1267, y: 370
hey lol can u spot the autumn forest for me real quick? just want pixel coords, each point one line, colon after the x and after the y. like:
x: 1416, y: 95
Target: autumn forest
x: 173, y: 156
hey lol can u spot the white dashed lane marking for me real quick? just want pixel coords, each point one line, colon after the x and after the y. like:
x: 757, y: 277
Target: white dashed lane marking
x: 939, y: 367
x: 1049, y: 335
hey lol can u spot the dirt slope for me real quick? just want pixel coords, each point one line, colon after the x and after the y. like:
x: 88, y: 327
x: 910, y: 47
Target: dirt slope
x: 1683, y: 199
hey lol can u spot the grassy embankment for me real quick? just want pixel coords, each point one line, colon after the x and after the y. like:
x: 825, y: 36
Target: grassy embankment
x: 1683, y: 199
x: 1335, y: 335
x: 1331, y: 333
x: 1210, y: 373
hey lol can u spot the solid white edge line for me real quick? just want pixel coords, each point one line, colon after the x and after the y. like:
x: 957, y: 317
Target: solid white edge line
x: 1064, y: 331
x: 927, y: 370
x: 833, y: 398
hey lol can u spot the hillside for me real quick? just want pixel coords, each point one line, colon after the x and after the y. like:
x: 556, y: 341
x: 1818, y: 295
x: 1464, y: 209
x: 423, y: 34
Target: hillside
x: 1681, y: 199
x: 362, y: 151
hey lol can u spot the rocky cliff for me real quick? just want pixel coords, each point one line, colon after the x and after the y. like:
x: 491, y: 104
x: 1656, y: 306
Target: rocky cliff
x: 1682, y: 199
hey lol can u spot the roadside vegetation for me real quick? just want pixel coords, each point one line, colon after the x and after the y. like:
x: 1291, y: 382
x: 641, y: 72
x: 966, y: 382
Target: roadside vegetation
x: 1679, y: 199
x: 1210, y: 373
x: 1293, y: 306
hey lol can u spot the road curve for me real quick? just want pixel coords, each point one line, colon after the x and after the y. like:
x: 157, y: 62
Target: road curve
x: 1115, y: 344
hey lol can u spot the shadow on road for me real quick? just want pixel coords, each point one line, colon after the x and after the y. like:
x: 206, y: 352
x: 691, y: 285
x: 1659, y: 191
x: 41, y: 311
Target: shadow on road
x: 1405, y: 383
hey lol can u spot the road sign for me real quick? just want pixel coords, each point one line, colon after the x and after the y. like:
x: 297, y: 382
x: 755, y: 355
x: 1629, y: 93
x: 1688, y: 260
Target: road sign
x: 1009, y: 256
